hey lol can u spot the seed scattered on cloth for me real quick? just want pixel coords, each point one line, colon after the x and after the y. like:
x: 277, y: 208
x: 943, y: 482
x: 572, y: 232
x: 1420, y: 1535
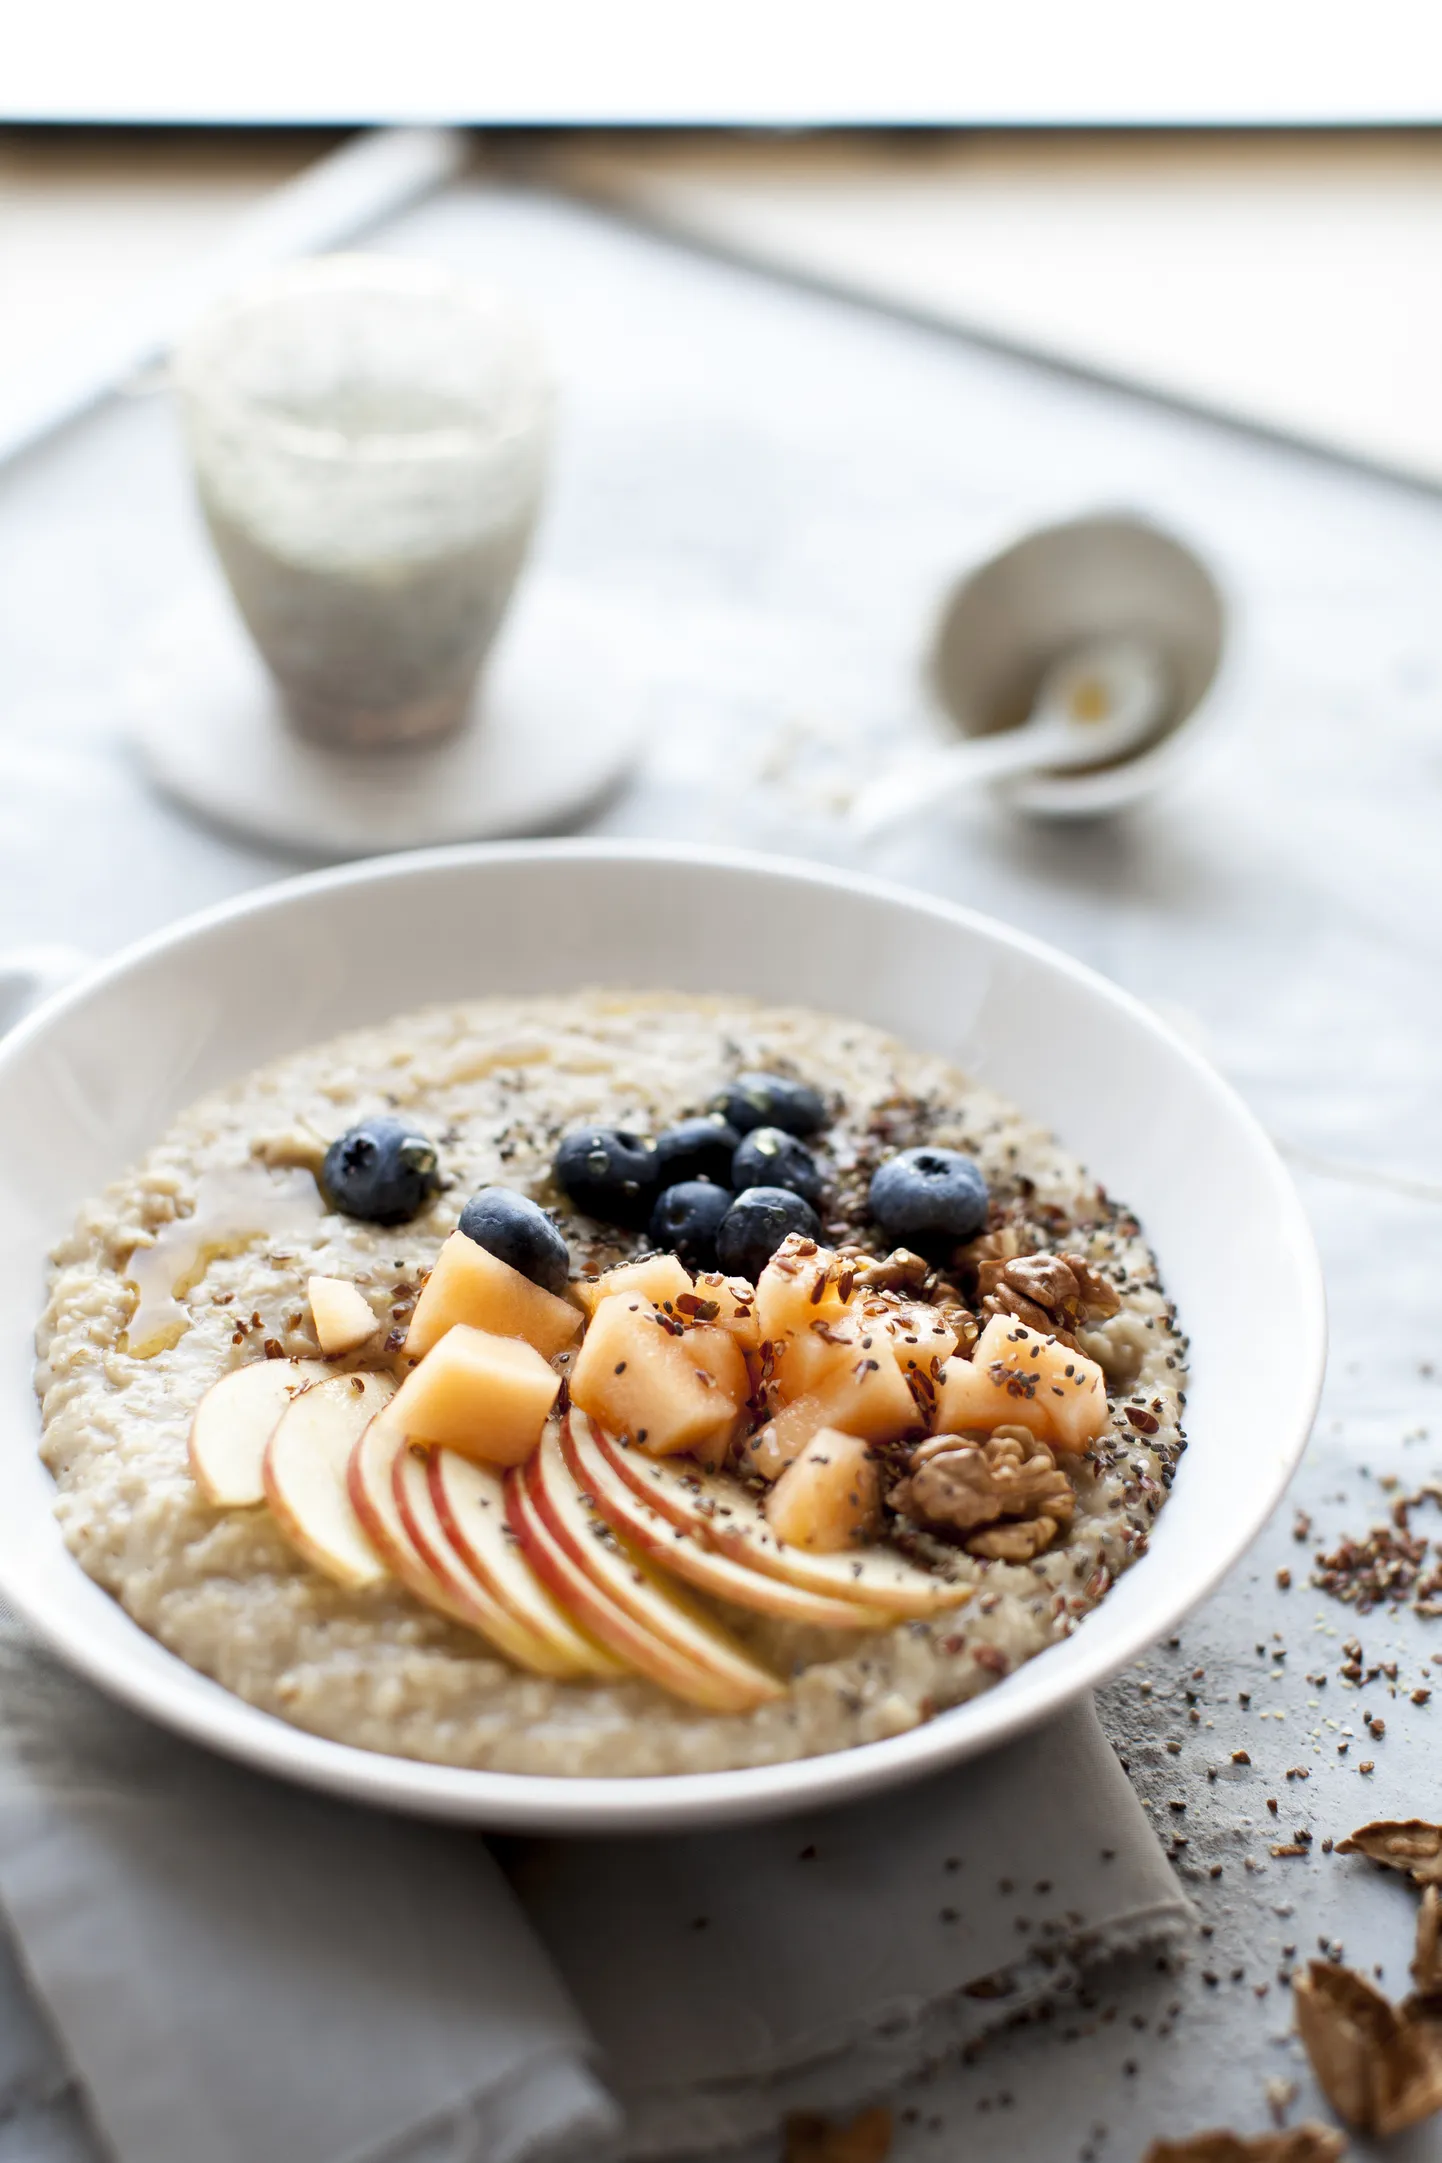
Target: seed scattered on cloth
x: 1380, y: 2065
x: 812, y: 2139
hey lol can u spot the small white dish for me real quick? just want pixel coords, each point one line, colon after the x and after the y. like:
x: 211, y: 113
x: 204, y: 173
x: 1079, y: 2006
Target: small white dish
x: 1008, y: 621
x: 95, y: 1075
x: 562, y: 707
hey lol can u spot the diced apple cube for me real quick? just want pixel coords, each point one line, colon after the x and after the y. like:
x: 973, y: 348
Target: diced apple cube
x: 341, y: 1313
x: 1019, y: 1378
x: 828, y: 1498
x: 473, y: 1286
x: 776, y: 1445
x: 735, y: 1303
x: 714, y: 1351
x: 920, y: 1336
x: 801, y: 1284
x: 850, y: 1368
x: 488, y: 1397
x: 668, y: 1391
x: 717, y: 1353
x: 660, y: 1278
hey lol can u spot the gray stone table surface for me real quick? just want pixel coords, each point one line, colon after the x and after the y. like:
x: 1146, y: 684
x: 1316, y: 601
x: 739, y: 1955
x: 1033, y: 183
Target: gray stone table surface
x: 773, y: 487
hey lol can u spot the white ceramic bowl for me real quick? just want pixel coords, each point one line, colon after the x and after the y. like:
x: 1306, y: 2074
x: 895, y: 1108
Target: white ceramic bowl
x: 95, y: 1075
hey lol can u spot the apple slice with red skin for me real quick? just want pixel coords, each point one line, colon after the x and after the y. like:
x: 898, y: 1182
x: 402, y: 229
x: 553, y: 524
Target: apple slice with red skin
x: 234, y: 1421
x: 582, y: 1597
x: 728, y: 1516
x: 459, y: 1524
x: 673, y: 1548
x: 621, y: 1599
x: 411, y: 1485
x: 305, y: 1476
x: 645, y: 1653
x: 371, y: 1481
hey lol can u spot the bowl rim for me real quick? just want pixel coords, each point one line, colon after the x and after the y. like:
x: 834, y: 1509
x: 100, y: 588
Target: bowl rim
x: 226, y: 1723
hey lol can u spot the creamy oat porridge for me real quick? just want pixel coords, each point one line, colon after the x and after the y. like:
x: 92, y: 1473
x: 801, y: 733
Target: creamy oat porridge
x: 820, y: 1391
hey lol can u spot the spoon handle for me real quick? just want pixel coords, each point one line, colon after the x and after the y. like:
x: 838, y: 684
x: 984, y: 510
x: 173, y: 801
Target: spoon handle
x: 937, y: 776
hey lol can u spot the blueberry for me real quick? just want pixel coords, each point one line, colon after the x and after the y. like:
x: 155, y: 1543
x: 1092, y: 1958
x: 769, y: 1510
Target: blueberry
x: 769, y: 1157
x: 381, y: 1171
x: 700, y: 1148
x: 687, y: 1219
x: 930, y: 1199
x: 610, y: 1175
x: 517, y: 1230
x: 755, y: 1225
x: 770, y: 1100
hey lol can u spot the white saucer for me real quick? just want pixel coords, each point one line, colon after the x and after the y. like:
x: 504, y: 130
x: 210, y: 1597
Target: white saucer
x: 561, y: 709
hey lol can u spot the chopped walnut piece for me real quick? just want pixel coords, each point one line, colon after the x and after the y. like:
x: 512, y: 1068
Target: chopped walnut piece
x: 1427, y: 1959
x: 1380, y: 2065
x: 907, y: 1273
x: 1310, y: 2143
x: 1409, y: 1844
x: 812, y: 2139
x: 962, y: 1323
x: 297, y: 1148
x: 1002, y: 1243
x: 1021, y: 1542
x: 1058, y: 1293
x: 956, y: 1484
x: 899, y: 1271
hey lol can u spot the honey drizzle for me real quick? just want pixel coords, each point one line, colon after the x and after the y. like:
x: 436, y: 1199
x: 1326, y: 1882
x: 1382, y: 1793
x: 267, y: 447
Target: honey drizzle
x: 233, y: 1207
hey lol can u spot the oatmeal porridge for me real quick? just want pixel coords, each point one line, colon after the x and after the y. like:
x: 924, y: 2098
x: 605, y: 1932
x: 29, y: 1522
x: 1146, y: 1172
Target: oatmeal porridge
x: 608, y: 1384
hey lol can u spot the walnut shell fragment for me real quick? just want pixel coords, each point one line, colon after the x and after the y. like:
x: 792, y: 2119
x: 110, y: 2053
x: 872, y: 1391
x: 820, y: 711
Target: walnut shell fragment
x: 1427, y: 1959
x: 813, y: 2139
x: 1409, y: 1844
x: 1380, y: 2065
x: 1310, y: 2143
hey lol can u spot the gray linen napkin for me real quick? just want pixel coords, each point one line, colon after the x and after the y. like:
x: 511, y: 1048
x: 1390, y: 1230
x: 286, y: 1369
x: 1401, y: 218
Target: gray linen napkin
x: 234, y: 1972
x: 242, y: 1973
x: 813, y: 1963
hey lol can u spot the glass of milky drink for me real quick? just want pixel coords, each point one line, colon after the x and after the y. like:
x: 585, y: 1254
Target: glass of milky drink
x: 369, y: 437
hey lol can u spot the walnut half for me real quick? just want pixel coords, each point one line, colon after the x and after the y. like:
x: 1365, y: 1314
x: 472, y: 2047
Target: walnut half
x: 1058, y: 1293
x: 955, y: 1484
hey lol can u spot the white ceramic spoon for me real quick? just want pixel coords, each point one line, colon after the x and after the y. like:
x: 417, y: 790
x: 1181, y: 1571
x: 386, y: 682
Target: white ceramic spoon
x: 1097, y: 703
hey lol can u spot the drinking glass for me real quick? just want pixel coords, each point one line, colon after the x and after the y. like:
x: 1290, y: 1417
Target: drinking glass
x: 369, y: 439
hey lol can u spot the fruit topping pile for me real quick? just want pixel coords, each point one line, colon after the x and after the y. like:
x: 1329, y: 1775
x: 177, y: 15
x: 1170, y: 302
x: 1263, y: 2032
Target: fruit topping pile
x: 818, y: 1434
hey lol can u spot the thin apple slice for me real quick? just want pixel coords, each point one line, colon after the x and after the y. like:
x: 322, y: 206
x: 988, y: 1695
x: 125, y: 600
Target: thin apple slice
x: 736, y: 1681
x: 235, y: 1419
x: 582, y: 1597
x: 729, y: 1517
x: 673, y: 1548
x: 371, y: 1480
x: 411, y: 1487
x: 304, y: 1473
x: 469, y: 1502
x: 617, y: 1626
